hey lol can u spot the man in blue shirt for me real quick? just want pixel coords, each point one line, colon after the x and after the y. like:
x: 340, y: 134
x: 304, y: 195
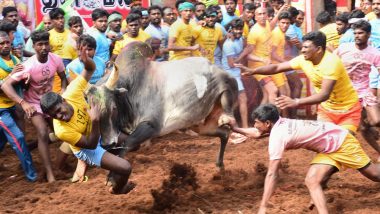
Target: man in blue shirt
x: 100, y: 18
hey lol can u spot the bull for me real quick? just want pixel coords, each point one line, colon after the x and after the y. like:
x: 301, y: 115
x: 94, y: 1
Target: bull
x: 146, y: 99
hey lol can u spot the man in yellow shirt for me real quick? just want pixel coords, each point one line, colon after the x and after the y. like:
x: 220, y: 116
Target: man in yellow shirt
x: 77, y: 123
x: 328, y: 27
x: 181, y: 34
x: 366, y: 7
x: 133, y: 34
x: 278, y: 53
x: 260, y: 45
x: 337, y: 99
x: 58, y: 36
x: 70, y: 51
x: 247, y: 17
x: 208, y: 37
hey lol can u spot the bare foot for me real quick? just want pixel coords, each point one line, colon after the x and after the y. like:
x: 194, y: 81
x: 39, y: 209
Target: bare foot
x: 125, y: 190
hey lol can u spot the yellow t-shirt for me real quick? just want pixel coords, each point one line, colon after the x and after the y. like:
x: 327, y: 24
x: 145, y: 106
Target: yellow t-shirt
x: 208, y: 39
x: 69, y: 49
x: 119, y: 45
x: 80, y: 123
x: 260, y: 37
x: 332, y: 36
x: 245, y: 30
x: 57, y: 41
x: 278, y: 41
x: 5, y: 102
x: 343, y: 95
x: 184, y: 35
x: 371, y: 16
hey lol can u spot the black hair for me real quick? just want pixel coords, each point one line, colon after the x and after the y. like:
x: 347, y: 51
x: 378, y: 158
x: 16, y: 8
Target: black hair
x: 87, y: 40
x: 209, y: 11
x: 233, y: 0
x: 324, y: 18
x: 317, y: 37
x: 7, y: 10
x: 155, y: 7
x: 266, y: 112
x: 362, y: 25
x: 39, y: 35
x: 74, y: 20
x: 343, y: 17
x: 49, y: 101
x: 137, y: 11
x: 249, y: 6
x: 284, y: 15
x: 133, y: 17
x: 98, y: 13
x: 301, y: 12
x: 178, y: 2
x: 115, y: 12
x: 356, y: 14
x: 236, y: 23
x: 55, y: 12
x: 293, y: 12
x: 7, y: 26
x: 270, y: 11
x: 215, y: 7
x: 199, y: 3
x: 164, y: 8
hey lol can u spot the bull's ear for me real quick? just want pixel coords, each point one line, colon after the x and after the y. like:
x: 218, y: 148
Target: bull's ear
x: 121, y: 91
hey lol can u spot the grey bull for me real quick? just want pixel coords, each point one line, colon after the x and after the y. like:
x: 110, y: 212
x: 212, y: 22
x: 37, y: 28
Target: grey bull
x: 146, y: 99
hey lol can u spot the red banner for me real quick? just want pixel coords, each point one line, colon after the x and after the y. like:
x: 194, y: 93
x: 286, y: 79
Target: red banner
x: 85, y: 8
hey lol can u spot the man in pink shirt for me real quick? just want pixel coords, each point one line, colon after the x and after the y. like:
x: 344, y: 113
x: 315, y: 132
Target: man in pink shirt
x: 40, y: 70
x: 358, y: 59
x: 336, y: 148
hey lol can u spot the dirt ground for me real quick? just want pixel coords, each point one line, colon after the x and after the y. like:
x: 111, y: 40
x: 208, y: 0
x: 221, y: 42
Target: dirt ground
x: 180, y: 172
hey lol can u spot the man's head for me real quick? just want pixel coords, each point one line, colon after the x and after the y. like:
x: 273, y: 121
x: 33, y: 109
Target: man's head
x: 56, y: 107
x: 11, y: 14
x: 200, y: 10
x: 169, y: 16
x: 265, y: 116
x: 261, y: 16
x: 210, y: 17
x: 366, y: 6
x: 48, y: 25
x: 57, y: 16
x: 40, y: 39
x: 376, y: 7
x: 314, y: 45
x: 9, y: 28
x: 284, y: 21
x: 186, y: 10
x: 100, y: 18
x: 342, y: 23
x: 236, y: 26
x: 230, y: 6
x: 89, y: 42
x: 155, y: 15
x: 5, y: 44
x: 144, y: 18
x: 136, y: 4
x: 133, y: 24
x: 248, y: 11
x: 218, y: 11
x: 324, y: 18
x: 300, y: 18
x: 75, y: 25
x: 362, y: 32
x: 277, y: 4
x: 293, y: 13
x: 114, y: 21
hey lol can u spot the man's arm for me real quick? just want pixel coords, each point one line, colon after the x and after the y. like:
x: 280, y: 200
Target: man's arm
x: 287, y: 102
x: 275, y: 56
x: 173, y: 47
x: 270, y: 183
x: 247, y: 50
x: 64, y: 81
x: 89, y: 64
x: 267, y: 69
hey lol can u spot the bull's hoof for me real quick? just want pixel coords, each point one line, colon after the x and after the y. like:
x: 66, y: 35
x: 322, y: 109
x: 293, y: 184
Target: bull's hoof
x: 226, y: 120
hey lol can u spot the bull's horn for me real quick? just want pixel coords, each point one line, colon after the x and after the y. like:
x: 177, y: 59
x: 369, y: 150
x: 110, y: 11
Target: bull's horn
x: 112, y: 79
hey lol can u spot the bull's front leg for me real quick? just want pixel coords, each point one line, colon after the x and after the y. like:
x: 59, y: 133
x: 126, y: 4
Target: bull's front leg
x: 144, y: 131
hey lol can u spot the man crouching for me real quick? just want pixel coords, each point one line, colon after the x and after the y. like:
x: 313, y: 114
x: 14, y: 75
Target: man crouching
x: 77, y: 123
x: 336, y: 148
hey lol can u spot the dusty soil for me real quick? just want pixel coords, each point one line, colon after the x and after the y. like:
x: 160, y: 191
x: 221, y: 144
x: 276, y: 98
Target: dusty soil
x: 180, y: 172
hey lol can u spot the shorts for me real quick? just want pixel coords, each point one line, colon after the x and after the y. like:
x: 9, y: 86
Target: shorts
x: 348, y: 119
x: 368, y: 100
x: 374, y: 78
x: 240, y: 84
x: 349, y: 155
x: 92, y: 157
x: 262, y: 79
x: 279, y: 79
